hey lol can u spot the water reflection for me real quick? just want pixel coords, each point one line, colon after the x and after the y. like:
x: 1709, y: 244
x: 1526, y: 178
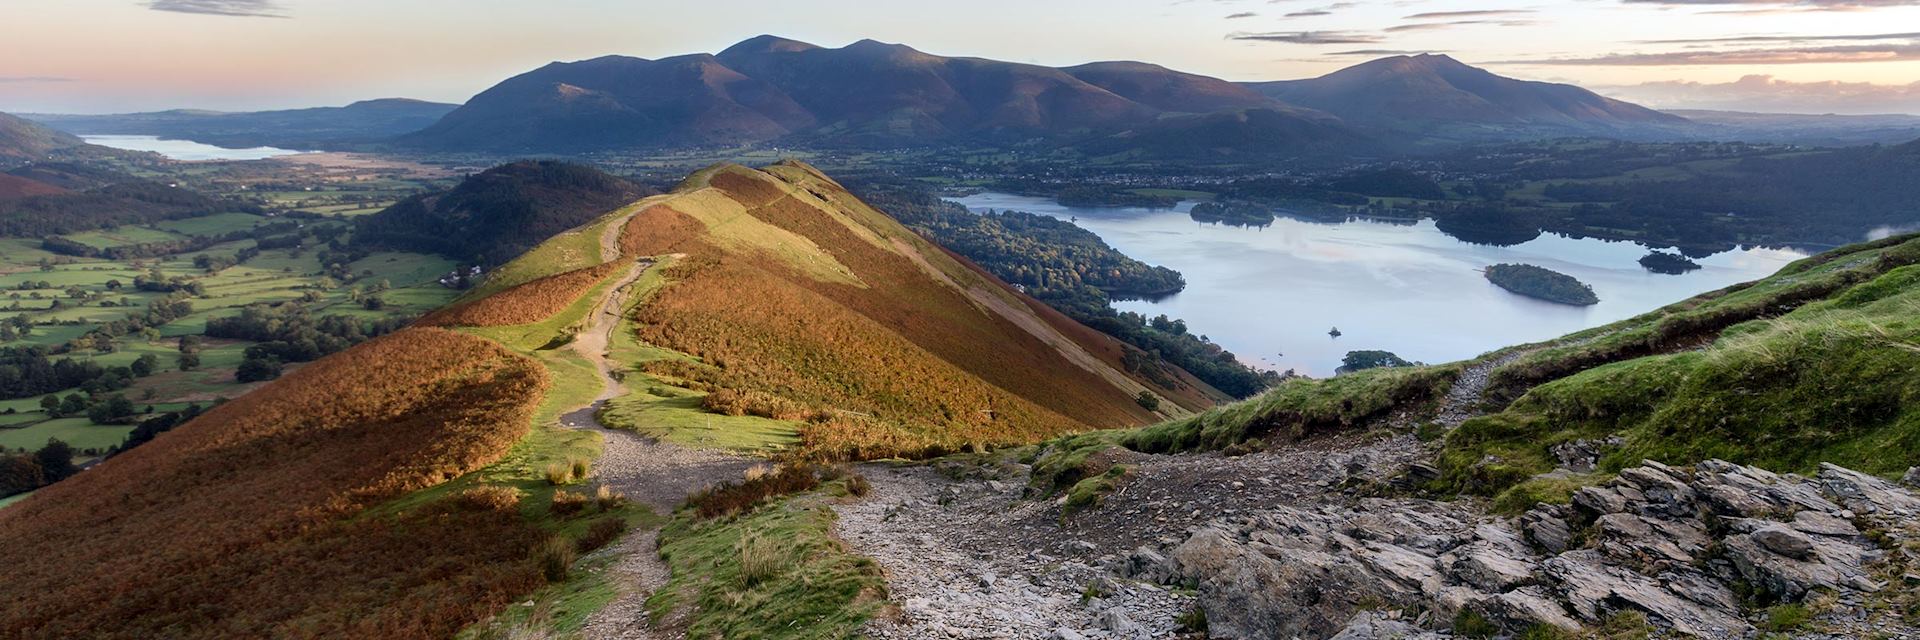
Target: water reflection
x: 1270, y: 293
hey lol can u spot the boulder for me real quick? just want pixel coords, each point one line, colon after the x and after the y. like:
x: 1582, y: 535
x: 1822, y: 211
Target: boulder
x: 1374, y: 625
x: 1784, y: 541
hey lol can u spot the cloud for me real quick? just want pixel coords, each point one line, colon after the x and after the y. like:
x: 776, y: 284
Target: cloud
x: 1436, y: 26
x: 241, y: 8
x: 33, y: 79
x: 1768, y: 94
x: 1379, y: 53
x: 1478, y: 13
x: 1243, y: 14
x: 1784, y: 55
x: 1786, y: 38
x: 1776, y: 6
x: 1308, y: 37
x: 1310, y: 13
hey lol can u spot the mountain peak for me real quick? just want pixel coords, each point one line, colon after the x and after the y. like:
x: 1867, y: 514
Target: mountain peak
x: 767, y: 43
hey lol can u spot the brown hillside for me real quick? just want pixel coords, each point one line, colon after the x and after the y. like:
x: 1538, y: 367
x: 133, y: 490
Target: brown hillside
x: 524, y: 303
x: 18, y: 187
x: 242, y: 523
x: 793, y: 287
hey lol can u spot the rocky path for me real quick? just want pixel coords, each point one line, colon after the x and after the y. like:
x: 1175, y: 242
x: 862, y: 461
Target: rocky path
x: 656, y: 474
x: 967, y: 556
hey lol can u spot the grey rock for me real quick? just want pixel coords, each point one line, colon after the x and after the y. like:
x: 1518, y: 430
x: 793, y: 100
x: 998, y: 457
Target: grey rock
x: 1912, y: 478
x: 1546, y: 527
x: 1064, y: 633
x: 1784, y: 541
x: 1822, y: 523
x: 1374, y: 625
x: 1117, y: 621
x: 1867, y: 494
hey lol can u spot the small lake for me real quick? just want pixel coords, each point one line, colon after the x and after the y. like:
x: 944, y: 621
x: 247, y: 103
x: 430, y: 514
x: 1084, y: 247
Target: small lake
x: 185, y: 149
x: 1391, y: 285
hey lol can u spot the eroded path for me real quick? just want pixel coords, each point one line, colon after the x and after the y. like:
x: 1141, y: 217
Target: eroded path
x: 968, y: 555
x: 656, y: 474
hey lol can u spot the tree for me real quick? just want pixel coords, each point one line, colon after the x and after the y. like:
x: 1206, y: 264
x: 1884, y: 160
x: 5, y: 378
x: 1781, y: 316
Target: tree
x: 74, y: 404
x: 146, y: 365
x: 1148, y: 401
x: 114, y: 409
x: 56, y: 460
x: 19, y: 473
x: 51, y: 404
x: 1370, y: 359
x: 258, y: 369
x: 189, y: 361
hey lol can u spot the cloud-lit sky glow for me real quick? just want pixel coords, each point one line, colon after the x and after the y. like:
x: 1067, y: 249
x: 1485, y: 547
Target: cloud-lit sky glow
x: 93, y: 56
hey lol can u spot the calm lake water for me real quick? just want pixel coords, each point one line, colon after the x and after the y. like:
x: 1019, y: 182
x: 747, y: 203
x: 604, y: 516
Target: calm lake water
x: 185, y: 149
x: 1405, y: 288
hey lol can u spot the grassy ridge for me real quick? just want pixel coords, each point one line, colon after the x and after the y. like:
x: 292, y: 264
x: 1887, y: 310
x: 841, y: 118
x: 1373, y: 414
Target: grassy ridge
x: 1831, y: 380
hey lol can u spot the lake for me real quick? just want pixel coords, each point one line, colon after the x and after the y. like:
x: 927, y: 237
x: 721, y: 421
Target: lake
x: 184, y: 149
x: 1271, y: 294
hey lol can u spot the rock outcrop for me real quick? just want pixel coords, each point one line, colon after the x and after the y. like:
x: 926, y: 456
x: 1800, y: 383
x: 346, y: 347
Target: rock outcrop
x: 1671, y: 544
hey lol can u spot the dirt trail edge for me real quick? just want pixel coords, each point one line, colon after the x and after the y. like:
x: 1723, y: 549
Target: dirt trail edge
x: 968, y: 554
x: 656, y: 474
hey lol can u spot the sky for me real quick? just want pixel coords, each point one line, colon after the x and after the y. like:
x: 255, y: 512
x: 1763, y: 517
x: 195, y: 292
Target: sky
x: 111, y: 56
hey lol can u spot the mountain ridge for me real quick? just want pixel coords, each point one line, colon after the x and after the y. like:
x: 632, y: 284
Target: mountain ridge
x: 1433, y: 92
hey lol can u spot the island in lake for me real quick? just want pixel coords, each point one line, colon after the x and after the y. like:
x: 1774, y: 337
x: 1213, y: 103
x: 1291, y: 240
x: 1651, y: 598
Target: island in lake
x: 1542, y: 283
x: 1244, y: 214
x: 1672, y: 264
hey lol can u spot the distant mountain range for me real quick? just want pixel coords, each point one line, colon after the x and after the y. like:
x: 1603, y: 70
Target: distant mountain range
x: 868, y: 93
x: 1436, y: 95
x: 363, y: 122
x: 871, y: 93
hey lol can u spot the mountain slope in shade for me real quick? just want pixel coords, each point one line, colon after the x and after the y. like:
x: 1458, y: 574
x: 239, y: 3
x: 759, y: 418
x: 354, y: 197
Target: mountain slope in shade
x: 1169, y: 90
x: 866, y: 93
x: 1245, y: 132
x: 892, y: 91
x: 618, y: 102
x: 317, y: 127
x: 499, y: 213
x: 22, y: 139
x: 1435, y: 93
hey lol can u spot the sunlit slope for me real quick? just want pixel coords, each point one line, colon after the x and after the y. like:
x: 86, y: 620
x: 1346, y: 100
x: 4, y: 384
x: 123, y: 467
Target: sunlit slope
x: 791, y: 287
x: 253, y: 521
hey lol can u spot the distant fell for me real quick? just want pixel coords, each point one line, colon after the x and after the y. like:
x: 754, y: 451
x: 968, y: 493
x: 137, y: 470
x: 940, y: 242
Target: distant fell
x: 497, y: 214
x: 1436, y: 94
x: 22, y: 139
x: 361, y: 122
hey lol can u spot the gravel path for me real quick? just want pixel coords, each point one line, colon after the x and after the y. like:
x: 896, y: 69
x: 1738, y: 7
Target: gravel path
x: 656, y: 474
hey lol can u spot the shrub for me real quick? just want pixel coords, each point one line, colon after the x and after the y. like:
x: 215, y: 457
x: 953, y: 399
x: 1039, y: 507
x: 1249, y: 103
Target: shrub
x: 858, y: 486
x: 558, y: 474
x: 607, y: 499
x: 556, y: 558
x: 580, y: 467
x: 729, y: 498
x: 601, y: 533
x: 566, y: 503
x: 760, y: 559
x: 489, y: 498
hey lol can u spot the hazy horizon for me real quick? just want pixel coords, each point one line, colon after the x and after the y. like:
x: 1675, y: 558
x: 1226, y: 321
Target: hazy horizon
x: 116, y: 56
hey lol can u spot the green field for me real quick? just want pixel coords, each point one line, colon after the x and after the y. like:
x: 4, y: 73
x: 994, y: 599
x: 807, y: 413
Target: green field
x: 93, y: 291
